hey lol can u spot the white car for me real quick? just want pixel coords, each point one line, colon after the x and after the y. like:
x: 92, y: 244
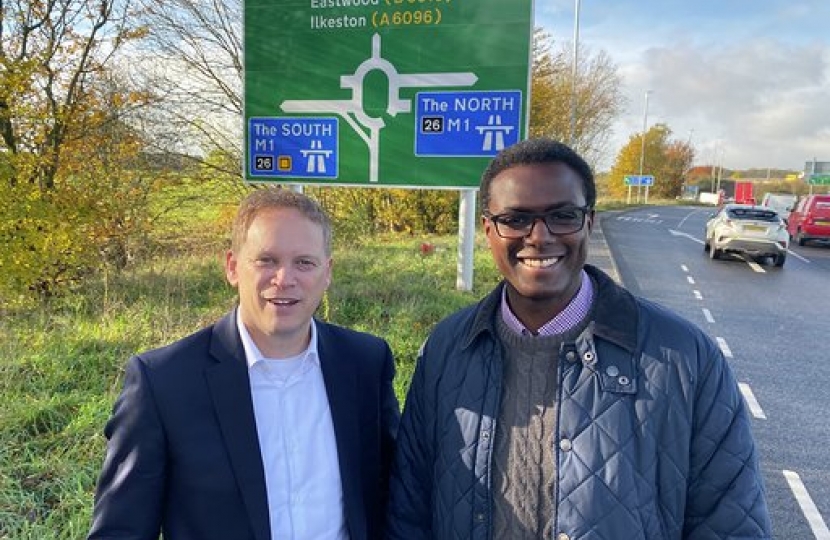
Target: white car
x: 757, y: 231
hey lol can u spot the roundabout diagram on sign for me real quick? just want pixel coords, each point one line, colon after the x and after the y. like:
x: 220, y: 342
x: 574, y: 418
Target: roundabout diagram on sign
x: 351, y: 110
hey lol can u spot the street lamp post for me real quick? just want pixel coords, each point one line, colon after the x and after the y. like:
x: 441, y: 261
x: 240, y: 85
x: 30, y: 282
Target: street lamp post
x: 719, y: 152
x: 643, y: 147
x: 574, y: 73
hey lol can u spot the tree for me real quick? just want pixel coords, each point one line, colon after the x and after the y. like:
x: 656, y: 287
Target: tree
x: 666, y: 159
x: 598, y: 96
x: 51, y: 53
x: 69, y: 194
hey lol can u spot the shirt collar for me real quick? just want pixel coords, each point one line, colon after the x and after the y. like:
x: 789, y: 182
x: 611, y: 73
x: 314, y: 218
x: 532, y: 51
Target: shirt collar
x: 253, y: 354
x: 576, y: 310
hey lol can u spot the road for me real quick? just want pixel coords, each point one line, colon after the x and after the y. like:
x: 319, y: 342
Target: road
x: 772, y: 325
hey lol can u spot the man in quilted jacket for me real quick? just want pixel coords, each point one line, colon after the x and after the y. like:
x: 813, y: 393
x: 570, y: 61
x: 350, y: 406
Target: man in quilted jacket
x: 561, y: 406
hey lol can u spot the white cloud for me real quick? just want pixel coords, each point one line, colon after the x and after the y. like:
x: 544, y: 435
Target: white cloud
x: 751, y: 85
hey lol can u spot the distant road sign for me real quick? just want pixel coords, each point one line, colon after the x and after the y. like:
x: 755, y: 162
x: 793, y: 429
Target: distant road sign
x: 293, y: 147
x: 819, y: 179
x: 467, y: 123
x: 637, y: 180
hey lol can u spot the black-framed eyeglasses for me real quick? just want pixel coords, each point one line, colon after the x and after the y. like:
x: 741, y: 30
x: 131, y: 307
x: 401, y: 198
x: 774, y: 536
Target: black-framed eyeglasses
x: 561, y: 221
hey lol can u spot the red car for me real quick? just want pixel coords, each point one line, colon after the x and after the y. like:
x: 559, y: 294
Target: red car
x: 810, y: 219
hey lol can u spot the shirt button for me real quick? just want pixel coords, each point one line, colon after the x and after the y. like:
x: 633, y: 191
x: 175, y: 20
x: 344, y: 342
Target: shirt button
x: 565, y: 445
x: 612, y: 371
x: 570, y: 356
x: 485, y: 435
x: 480, y: 516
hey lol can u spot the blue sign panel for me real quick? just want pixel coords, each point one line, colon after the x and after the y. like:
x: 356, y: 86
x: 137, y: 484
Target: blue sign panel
x: 289, y: 147
x: 636, y: 180
x: 467, y: 124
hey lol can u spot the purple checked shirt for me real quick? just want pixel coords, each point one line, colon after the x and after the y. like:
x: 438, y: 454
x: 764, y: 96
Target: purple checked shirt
x: 569, y: 317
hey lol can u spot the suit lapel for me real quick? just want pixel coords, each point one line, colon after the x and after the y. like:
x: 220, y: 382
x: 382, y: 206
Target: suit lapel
x: 230, y: 388
x: 340, y: 378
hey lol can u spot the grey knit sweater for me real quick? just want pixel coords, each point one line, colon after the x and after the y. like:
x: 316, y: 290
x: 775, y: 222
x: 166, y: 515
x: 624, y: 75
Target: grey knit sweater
x: 523, y: 464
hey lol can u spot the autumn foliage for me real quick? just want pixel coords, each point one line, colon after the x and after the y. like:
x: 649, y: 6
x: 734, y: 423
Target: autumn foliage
x: 71, y: 199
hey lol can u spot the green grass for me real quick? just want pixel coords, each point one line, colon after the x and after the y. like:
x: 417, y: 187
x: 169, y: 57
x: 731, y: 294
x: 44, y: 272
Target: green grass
x: 62, y: 363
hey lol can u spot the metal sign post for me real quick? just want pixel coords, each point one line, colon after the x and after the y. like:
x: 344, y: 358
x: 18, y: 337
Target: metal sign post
x: 630, y: 180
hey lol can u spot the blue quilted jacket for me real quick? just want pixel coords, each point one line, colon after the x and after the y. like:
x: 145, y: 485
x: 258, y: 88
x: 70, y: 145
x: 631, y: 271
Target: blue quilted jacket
x: 653, y: 439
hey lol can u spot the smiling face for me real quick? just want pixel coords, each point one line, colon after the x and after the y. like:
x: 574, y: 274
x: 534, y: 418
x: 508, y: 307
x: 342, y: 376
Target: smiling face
x: 281, y: 270
x: 543, y: 271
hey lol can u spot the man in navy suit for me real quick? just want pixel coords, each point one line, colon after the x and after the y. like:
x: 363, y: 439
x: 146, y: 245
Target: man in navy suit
x: 268, y: 424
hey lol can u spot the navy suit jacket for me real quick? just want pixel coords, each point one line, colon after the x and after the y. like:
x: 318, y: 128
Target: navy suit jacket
x: 183, y: 455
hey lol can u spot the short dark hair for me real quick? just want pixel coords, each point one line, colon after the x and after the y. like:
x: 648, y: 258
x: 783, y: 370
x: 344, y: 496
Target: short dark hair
x: 535, y: 151
x: 276, y: 198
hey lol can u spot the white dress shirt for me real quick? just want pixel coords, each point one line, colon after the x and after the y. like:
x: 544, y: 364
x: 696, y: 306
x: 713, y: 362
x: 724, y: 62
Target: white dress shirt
x: 296, y: 437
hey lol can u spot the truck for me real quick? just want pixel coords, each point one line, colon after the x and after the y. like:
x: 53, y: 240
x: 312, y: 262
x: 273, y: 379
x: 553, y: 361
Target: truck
x: 744, y: 193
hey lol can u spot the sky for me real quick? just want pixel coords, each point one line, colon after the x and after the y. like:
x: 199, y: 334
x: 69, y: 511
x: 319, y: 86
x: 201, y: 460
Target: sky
x: 746, y: 81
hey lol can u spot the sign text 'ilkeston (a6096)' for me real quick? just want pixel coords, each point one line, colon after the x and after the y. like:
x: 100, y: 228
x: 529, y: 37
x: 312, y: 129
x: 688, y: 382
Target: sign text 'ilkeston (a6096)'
x: 342, y: 14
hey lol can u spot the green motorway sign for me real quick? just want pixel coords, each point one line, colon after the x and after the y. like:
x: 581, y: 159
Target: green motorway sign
x: 819, y: 179
x: 410, y: 93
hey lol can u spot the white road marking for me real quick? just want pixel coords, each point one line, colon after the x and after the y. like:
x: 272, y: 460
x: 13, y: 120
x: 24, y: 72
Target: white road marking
x: 751, y: 402
x: 799, y: 257
x: 808, y: 507
x: 727, y: 352
x: 684, y: 268
x: 685, y: 235
x: 755, y: 266
x: 708, y: 315
x: 690, y: 279
x: 690, y: 214
x: 698, y: 295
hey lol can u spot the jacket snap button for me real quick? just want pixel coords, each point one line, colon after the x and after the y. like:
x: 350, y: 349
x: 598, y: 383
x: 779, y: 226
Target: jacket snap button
x: 588, y: 357
x: 480, y: 516
x: 612, y: 371
x: 623, y: 380
x: 485, y: 435
x: 563, y: 536
x: 565, y: 445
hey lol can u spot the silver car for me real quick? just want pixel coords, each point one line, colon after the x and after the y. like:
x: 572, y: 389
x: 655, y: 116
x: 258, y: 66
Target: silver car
x: 756, y: 231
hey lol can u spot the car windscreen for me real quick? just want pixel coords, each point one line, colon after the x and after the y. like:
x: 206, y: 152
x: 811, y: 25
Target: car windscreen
x: 755, y: 214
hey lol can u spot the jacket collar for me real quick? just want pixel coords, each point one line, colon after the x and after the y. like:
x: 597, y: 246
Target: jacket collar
x: 614, y: 313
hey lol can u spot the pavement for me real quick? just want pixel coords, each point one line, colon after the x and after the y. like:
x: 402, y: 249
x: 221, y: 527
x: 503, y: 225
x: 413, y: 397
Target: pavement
x: 599, y: 254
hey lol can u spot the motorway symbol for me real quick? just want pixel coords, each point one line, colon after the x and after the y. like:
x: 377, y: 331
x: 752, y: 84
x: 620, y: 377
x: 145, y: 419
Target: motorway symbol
x: 819, y: 179
x: 301, y: 147
x: 466, y: 123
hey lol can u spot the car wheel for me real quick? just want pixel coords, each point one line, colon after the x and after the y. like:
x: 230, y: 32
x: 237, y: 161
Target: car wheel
x: 706, y: 246
x: 799, y: 237
x: 714, y: 253
x: 780, y: 259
